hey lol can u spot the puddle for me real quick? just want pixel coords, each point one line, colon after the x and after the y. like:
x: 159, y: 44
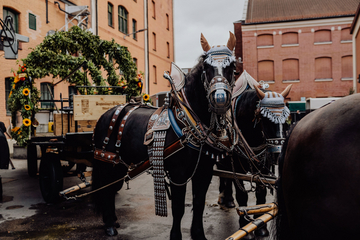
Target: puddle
x: 14, y: 207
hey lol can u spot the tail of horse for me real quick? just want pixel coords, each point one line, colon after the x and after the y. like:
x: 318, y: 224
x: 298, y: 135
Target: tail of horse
x: 282, y: 223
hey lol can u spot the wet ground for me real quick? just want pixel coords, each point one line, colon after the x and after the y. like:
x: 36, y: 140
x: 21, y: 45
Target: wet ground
x: 25, y: 215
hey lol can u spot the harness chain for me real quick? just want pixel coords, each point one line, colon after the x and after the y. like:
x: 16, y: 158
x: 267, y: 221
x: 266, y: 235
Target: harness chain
x: 156, y: 157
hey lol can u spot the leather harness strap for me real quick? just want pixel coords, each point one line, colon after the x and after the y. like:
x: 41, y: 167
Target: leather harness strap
x: 107, y: 156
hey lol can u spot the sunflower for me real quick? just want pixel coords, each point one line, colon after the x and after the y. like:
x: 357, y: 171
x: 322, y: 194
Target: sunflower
x: 27, y: 107
x: 27, y: 122
x: 146, y: 97
x: 26, y: 91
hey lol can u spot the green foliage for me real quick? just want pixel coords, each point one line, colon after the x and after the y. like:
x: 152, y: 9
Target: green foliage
x: 59, y: 54
x: 23, y: 98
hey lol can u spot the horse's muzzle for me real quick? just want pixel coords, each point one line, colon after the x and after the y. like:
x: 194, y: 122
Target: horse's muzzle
x: 219, y: 95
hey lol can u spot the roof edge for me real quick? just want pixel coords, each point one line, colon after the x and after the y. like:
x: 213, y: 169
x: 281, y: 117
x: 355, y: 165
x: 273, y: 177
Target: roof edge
x: 355, y: 19
x: 297, y: 20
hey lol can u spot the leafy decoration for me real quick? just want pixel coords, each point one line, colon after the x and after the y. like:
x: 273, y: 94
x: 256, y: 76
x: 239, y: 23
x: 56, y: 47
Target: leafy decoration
x: 23, y: 98
x: 59, y: 55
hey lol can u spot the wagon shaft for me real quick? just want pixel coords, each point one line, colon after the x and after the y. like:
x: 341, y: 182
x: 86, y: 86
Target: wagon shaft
x: 257, y: 223
x: 261, y: 208
x: 244, y: 177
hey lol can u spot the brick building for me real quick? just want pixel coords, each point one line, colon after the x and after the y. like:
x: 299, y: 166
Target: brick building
x: 355, y: 27
x: 304, y: 43
x: 151, y: 49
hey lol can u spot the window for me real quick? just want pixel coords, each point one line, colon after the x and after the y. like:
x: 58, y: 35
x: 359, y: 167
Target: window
x: 15, y: 17
x: 154, y: 39
x: 266, y: 70
x: 345, y: 35
x: 290, y: 69
x: 346, y: 68
x: 322, y: 36
x: 32, y: 21
x: 135, y: 61
x: 47, y: 91
x: 134, y: 29
x: 154, y: 74
x: 110, y: 14
x: 265, y: 40
x: 323, y: 70
x: 72, y: 92
x: 8, y: 85
x: 290, y: 38
x: 154, y: 12
x: 167, y: 22
x: 168, y: 49
x: 123, y: 20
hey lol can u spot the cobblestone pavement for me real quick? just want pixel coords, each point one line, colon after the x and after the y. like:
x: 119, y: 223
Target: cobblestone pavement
x: 25, y: 215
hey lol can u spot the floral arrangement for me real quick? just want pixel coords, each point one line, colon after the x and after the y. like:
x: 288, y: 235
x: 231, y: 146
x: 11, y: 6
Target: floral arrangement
x: 23, y: 97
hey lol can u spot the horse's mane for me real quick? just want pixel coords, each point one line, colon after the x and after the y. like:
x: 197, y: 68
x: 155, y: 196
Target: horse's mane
x: 195, y: 91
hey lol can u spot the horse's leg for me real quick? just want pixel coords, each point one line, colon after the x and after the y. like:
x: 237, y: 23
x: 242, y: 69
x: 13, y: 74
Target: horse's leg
x: 242, y: 199
x: 200, y: 185
x: 109, y: 216
x: 178, y: 209
x: 226, y: 191
x: 260, y: 194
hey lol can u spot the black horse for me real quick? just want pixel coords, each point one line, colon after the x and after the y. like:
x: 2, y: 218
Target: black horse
x: 202, y: 99
x: 261, y: 118
x: 318, y: 192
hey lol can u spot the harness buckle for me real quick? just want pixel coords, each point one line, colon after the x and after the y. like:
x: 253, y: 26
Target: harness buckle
x: 106, y: 140
x: 118, y: 143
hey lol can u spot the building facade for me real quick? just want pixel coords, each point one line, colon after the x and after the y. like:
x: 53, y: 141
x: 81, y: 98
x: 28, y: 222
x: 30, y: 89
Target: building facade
x: 151, y: 46
x: 355, y: 27
x: 309, y: 46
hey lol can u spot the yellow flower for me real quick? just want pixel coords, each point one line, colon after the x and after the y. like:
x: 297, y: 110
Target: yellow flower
x: 146, y: 97
x: 26, y: 91
x: 15, y: 129
x: 27, y: 122
x: 10, y: 94
x: 16, y: 79
x: 27, y: 107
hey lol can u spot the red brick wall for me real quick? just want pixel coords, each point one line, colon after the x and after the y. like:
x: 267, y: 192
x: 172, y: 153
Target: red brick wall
x: 306, y: 52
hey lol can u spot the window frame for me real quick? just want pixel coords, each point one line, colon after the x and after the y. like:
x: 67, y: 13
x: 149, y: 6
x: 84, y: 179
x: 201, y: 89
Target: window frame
x: 16, y: 15
x: 134, y: 29
x: 45, y: 95
x: 123, y: 15
x: 111, y: 15
x: 32, y: 16
x: 8, y: 86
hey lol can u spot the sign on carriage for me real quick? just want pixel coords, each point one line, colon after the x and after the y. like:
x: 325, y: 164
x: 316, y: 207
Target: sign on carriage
x: 91, y: 107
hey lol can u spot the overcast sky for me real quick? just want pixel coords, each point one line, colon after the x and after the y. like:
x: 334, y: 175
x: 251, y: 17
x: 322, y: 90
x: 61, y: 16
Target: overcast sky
x: 213, y: 18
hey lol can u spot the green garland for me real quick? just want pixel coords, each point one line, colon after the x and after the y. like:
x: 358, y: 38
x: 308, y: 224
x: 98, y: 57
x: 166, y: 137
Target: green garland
x: 23, y: 98
x: 62, y: 52
x: 57, y: 56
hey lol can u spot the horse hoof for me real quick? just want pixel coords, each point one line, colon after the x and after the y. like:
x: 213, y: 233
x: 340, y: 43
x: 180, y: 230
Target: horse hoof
x: 262, y: 232
x: 250, y: 236
x: 230, y: 204
x: 221, y: 201
x: 111, y: 231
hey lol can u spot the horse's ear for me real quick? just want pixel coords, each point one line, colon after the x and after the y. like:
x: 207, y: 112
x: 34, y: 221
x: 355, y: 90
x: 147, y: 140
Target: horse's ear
x: 260, y: 93
x: 204, y: 43
x: 232, y: 41
x: 286, y: 91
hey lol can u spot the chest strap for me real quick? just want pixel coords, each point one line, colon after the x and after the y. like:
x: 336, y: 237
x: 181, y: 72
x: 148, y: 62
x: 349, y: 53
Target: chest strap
x: 107, y: 156
x: 155, y: 139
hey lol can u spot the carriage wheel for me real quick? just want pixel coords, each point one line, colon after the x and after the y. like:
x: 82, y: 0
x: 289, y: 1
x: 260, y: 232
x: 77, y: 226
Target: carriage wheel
x: 50, y: 177
x: 32, y: 160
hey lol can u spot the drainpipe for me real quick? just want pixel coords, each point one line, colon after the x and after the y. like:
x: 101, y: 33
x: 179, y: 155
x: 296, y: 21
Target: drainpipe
x: 146, y: 48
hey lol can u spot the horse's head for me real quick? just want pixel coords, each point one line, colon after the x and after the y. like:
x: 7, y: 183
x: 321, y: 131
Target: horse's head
x: 272, y: 111
x: 218, y: 74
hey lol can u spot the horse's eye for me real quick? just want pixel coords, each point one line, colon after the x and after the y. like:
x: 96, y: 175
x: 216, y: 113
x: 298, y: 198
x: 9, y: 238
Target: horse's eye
x: 236, y: 73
